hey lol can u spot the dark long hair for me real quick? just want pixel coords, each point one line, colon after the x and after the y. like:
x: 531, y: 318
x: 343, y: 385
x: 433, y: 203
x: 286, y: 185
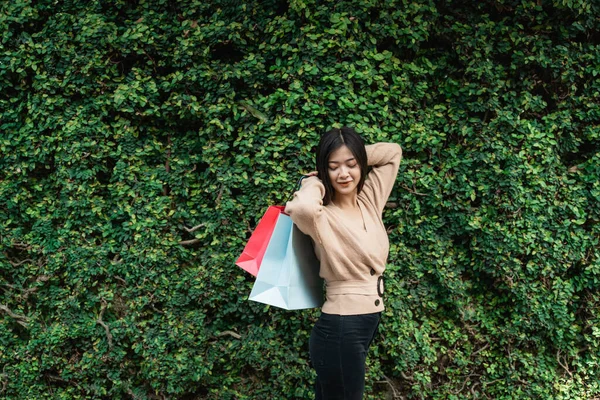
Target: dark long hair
x: 330, y: 142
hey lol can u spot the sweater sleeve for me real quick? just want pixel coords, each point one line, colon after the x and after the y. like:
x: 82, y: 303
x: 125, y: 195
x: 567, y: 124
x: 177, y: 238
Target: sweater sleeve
x: 385, y: 160
x: 306, y: 206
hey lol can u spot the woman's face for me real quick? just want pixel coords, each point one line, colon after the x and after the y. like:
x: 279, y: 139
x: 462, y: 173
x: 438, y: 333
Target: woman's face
x: 344, y: 171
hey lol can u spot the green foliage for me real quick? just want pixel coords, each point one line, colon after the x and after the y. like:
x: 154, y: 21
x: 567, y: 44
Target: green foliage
x: 142, y: 140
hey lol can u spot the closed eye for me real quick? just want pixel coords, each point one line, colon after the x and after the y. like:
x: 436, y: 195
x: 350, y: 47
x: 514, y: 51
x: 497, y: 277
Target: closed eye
x: 335, y: 166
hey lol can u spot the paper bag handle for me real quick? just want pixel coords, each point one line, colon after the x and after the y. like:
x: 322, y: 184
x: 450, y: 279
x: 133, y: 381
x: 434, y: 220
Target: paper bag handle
x: 297, y: 187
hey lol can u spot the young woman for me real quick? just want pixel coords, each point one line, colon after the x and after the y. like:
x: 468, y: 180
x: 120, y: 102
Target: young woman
x: 340, y: 207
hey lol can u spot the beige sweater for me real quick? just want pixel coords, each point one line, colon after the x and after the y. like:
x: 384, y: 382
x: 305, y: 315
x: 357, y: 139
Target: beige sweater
x: 352, y: 260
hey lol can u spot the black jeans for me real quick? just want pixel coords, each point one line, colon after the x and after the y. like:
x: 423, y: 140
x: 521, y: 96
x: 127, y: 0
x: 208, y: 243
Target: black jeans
x: 338, y: 352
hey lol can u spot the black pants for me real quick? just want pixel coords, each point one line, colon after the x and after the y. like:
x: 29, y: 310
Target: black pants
x: 338, y: 351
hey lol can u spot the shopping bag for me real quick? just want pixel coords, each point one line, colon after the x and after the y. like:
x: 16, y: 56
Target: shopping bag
x: 289, y: 273
x: 254, y: 251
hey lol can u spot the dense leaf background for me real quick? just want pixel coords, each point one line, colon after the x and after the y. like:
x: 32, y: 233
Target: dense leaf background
x: 142, y: 140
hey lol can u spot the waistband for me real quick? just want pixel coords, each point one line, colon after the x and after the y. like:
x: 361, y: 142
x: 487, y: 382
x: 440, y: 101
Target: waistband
x: 373, y: 286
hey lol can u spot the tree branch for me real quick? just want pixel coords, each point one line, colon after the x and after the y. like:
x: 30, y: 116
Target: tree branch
x: 406, y: 377
x: 230, y: 333
x: 192, y: 170
x: 20, y: 319
x: 3, y: 379
x: 100, y: 322
x: 479, y: 350
x: 195, y: 228
x: 564, y: 365
x: 414, y: 191
x: 395, y: 393
x: 123, y: 281
x: 218, y: 200
x: 17, y: 264
x: 21, y: 245
x: 189, y: 242
x: 133, y: 395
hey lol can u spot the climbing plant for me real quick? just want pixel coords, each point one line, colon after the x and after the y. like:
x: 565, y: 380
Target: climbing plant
x: 141, y: 141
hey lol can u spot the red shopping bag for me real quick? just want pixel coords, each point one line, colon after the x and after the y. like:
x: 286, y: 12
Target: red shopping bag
x: 254, y: 251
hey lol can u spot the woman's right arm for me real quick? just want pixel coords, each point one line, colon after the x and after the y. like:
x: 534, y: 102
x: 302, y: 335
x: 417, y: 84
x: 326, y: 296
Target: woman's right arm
x: 385, y: 159
x: 306, y: 206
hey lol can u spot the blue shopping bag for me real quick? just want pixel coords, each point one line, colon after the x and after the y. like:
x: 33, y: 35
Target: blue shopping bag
x: 289, y: 273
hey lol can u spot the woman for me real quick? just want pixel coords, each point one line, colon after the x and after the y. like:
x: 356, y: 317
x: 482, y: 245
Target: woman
x: 340, y: 207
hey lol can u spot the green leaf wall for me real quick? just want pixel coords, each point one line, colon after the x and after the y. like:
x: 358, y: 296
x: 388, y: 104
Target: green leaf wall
x: 141, y: 141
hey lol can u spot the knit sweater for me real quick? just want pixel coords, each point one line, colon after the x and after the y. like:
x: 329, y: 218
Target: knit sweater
x: 352, y: 260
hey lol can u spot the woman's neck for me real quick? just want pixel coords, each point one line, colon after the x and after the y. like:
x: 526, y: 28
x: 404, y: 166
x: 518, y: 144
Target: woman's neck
x: 347, y: 202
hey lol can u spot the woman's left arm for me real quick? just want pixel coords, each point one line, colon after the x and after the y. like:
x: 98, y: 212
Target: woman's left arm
x: 385, y: 160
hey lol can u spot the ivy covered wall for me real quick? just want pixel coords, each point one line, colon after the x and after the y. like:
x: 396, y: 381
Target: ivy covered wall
x: 141, y: 141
